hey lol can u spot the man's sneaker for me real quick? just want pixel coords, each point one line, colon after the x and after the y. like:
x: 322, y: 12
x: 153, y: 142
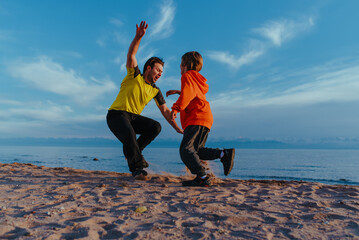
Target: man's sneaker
x: 197, y: 182
x: 139, y: 174
x: 228, y: 160
x: 145, y: 163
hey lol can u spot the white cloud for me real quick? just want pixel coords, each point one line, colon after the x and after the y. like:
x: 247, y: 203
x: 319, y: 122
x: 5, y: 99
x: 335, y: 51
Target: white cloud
x: 332, y: 82
x: 123, y: 67
x: 48, y: 112
x: 145, y: 55
x: 101, y: 42
x: 52, y: 113
x: 121, y: 38
x: 49, y: 76
x: 277, y: 32
x: 46, y: 118
x: 113, y: 35
x: 10, y: 102
x: 118, y: 60
x: 233, y: 61
x: 73, y: 54
x: 281, y: 31
x: 163, y: 27
x: 116, y: 22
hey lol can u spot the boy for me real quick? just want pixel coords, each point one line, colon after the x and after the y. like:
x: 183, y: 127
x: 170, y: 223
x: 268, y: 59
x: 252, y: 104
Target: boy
x: 196, y: 119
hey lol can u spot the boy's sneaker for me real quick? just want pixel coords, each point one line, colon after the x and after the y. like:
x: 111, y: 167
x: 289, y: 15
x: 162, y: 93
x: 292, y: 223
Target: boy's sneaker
x: 228, y: 160
x: 197, y: 182
x: 139, y: 174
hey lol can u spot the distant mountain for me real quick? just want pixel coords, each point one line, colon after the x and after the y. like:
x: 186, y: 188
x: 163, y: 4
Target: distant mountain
x: 329, y: 143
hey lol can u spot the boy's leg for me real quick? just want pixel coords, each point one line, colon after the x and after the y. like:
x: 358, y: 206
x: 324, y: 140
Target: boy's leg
x: 227, y: 157
x: 209, y: 153
x: 192, y: 139
x: 205, y: 153
x: 119, y: 123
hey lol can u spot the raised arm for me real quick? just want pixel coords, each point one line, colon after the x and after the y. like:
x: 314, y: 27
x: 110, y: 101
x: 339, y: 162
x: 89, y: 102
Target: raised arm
x: 131, y: 55
x: 167, y: 115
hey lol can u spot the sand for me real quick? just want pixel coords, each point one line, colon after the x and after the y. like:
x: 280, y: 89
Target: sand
x: 38, y: 202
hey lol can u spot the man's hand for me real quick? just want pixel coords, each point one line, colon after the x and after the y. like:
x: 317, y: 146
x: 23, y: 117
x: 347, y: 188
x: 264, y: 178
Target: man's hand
x: 173, y: 117
x: 171, y: 92
x: 131, y: 55
x: 141, y: 30
x: 168, y: 116
x: 179, y: 130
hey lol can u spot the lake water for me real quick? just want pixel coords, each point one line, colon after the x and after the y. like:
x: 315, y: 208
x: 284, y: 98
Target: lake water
x: 326, y: 166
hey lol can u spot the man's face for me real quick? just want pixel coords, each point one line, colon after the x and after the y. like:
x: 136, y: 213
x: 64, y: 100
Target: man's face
x: 155, y: 73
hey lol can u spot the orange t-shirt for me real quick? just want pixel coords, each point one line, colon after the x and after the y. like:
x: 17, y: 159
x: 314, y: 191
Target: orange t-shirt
x: 192, y: 104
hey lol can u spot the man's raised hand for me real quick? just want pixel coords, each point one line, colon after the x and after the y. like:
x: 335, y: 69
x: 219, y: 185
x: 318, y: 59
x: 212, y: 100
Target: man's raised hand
x: 141, y: 30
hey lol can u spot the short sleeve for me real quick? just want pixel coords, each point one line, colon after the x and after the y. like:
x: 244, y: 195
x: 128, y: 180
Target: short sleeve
x: 160, y: 100
x: 133, y: 72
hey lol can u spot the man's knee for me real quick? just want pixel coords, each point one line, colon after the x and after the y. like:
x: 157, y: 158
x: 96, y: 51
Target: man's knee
x: 156, y: 128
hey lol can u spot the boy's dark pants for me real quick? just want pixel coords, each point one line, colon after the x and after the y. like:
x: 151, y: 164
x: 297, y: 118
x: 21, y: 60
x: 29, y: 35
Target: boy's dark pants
x: 192, y: 149
x: 125, y: 126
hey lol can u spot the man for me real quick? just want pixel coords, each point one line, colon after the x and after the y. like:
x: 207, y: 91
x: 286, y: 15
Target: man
x: 124, y: 119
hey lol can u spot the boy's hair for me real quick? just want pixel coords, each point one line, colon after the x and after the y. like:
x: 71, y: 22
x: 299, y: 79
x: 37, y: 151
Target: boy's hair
x: 193, y: 61
x: 151, y: 62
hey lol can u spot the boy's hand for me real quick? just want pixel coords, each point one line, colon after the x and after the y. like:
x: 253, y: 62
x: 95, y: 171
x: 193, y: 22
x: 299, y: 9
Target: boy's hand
x: 171, y: 92
x: 141, y: 30
x: 173, y: 115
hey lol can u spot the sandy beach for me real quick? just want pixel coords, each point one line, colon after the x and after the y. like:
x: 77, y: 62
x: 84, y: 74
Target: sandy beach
x: 38, y: 202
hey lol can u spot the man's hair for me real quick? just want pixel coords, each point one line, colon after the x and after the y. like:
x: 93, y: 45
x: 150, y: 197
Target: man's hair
x: 151, y: 62
x: 193, y: 61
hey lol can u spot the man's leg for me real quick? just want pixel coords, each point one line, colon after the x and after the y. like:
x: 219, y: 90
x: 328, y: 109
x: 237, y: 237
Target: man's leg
x: 147, y: 128
x: 119, y: 123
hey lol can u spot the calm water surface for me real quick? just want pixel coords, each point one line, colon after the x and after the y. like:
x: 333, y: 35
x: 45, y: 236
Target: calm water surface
x: 326, y: 166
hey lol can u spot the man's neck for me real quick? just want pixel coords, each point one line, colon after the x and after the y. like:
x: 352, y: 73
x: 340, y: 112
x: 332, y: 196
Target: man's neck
x: 145, y: 77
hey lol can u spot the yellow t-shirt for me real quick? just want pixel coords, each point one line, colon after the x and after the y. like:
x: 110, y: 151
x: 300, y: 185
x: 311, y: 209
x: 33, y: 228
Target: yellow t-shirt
x: 135, y: 93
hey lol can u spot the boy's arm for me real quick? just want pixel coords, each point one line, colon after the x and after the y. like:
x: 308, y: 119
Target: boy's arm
x: 186, y: 96
x: 167, y: 115
x: 171, y: 92
x: 131, y: 55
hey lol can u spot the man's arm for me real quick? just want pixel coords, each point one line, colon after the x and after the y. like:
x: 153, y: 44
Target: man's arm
x: 167, y: 114
x: 131, y: 55
x: 173, y: 114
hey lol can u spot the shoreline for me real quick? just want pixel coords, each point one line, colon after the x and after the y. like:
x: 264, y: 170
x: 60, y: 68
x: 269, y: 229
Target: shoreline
x: 328, y: 167
x: 66, y: 203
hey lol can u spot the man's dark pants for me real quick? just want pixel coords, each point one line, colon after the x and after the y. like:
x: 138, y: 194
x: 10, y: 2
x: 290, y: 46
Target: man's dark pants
x: 192, y: 149
x: 125, y: 126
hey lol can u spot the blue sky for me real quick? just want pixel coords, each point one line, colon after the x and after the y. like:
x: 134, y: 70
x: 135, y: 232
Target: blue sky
x: 276, y: 69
